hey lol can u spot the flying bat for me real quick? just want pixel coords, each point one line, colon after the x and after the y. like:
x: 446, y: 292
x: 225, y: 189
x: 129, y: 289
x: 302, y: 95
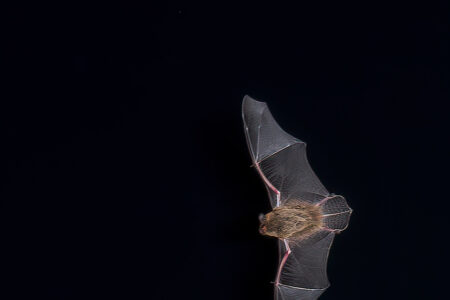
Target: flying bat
x: 305, y: 217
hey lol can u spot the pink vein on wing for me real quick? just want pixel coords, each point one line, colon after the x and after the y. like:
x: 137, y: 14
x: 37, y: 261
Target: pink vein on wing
x: 283, y: 261
x: 267, y: 182
x: 286, y: 244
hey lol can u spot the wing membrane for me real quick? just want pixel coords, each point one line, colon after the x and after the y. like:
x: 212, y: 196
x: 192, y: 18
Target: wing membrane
x: 306, y: 266
x: 279, y: 157
x: 284, y: 292
x: 304, y: 274
x: 264, y: 136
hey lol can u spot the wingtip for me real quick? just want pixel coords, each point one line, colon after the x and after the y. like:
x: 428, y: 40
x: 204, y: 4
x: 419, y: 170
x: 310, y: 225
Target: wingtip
x: 249, y: 99
x: 250, y: 104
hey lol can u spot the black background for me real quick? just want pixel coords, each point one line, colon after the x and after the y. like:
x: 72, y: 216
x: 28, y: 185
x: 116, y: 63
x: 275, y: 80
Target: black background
x: 127, y: 172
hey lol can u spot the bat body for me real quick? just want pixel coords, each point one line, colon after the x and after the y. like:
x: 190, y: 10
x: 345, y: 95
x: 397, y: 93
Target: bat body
x: 305, y: 216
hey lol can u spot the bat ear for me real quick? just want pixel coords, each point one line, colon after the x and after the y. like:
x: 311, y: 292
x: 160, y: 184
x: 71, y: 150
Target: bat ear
x: 261, y: 218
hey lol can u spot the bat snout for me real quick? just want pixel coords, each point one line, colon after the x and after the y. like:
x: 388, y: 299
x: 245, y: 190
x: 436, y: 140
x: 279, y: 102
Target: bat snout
x: 262, y: 229
x: 262, y: 226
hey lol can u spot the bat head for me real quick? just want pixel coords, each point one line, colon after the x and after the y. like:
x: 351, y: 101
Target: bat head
x: 262, y: 225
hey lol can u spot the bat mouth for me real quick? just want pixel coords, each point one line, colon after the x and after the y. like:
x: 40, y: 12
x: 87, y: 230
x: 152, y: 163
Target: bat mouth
x: 262, y: 229
x: 262, y: 225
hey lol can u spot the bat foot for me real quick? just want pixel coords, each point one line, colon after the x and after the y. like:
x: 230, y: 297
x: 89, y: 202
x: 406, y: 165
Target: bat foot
x: 337, y: 231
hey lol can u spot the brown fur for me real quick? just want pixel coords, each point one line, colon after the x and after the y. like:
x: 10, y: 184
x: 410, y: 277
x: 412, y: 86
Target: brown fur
x: 295, y: 220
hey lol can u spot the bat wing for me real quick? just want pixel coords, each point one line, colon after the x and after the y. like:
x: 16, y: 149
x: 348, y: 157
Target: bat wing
x: 281, y: 161
x: 303, y: 274
x: 279, y: 157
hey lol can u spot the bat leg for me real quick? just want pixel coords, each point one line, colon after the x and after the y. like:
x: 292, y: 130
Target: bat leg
x: 337, y: 231
x: 330, y: 230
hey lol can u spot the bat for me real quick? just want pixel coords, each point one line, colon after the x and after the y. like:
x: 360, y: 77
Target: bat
x: 305, y: 217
